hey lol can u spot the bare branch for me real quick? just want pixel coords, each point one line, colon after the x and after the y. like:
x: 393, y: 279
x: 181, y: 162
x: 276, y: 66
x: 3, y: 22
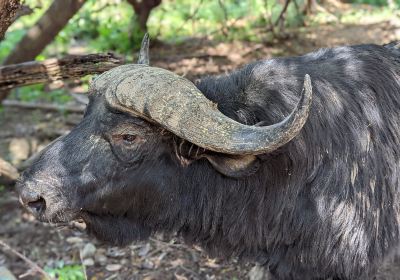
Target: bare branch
x: 190, y: 17
x: 51, y: 70
x: 24, y: 10
x: 281, y: 18
x: 44, y: 106
x: 224, y: 23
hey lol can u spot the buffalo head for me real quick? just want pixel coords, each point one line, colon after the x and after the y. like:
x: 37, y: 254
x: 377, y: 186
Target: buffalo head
x: 146, y: 135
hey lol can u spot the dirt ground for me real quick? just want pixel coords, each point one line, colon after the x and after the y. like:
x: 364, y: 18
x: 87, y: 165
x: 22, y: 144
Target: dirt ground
x: 160, y: 257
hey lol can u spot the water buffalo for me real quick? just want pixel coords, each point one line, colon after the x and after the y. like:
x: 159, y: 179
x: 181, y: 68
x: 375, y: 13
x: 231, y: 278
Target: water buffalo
x: 292, y: 162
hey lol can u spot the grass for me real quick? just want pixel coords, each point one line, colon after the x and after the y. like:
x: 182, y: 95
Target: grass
x: 367, y: 16
x: 66, y: 272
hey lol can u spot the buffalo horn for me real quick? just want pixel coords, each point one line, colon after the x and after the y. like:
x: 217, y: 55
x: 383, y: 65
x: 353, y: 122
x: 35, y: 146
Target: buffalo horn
x: 175, y: 103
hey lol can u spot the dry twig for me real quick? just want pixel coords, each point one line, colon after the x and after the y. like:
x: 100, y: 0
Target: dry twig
x: 224, y: 23
x: 44, y: 106
x: 190, y: 17
x: 32, y: 265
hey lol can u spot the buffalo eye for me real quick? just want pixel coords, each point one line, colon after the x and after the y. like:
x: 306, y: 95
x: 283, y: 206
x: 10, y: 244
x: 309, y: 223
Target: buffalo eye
x: 129, y: 139
x: 126, y: 147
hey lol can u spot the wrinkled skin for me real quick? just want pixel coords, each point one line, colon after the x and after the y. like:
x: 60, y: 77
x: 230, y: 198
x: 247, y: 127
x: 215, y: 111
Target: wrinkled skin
x: 326, y: 205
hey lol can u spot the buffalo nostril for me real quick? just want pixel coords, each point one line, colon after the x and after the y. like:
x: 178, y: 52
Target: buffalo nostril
x: 38, y: 206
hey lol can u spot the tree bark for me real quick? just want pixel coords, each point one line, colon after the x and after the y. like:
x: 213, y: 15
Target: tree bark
x: 8, y: 11
x: 142, y: 9
x: 51, y: 70
x: 309, y: 7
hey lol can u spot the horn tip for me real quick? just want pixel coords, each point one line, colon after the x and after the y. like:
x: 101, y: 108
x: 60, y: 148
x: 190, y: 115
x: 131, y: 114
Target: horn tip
x: 144, y: 50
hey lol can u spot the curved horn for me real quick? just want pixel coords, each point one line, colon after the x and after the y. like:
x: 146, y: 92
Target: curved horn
x: 175, y: 103
x: 144, y: 50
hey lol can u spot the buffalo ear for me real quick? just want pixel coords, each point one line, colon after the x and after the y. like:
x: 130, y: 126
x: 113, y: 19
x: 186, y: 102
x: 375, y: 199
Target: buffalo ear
x: 232, y: 165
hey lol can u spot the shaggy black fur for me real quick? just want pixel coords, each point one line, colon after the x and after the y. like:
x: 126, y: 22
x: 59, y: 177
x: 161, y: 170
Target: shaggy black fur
x: 325, y: 205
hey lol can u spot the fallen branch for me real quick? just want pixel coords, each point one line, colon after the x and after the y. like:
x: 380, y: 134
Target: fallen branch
x: 189, y: 56
x: 40, y: 133
x: 44, y: 106
x: 53, y: 69
x: 32, y: 265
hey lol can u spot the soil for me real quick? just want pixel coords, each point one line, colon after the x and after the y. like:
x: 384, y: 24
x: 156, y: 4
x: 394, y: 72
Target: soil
x: 160, y: 257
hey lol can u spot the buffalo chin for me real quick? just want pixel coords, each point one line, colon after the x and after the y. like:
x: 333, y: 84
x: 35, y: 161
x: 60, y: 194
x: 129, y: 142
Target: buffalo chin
x: 115, y: 230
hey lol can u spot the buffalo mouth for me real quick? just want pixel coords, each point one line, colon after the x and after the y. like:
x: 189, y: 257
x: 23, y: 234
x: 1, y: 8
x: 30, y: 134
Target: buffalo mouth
x: 61, y: 218
x: 113, y: 229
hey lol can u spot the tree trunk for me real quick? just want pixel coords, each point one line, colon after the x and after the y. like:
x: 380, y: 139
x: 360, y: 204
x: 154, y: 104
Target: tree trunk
x: 310, y: 7
x: 8, y: 10
x: 142, y: 9
x: 42, y: 33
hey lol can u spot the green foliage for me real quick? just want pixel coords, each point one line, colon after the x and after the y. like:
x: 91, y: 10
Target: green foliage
x: 380, y: 3
x: 37, y: 93
x: 366, y: 16
x: 66, y: 272
x: 12, y: 39
x: 221, y: 19
x: 110, y: 25
x: 104, y: 25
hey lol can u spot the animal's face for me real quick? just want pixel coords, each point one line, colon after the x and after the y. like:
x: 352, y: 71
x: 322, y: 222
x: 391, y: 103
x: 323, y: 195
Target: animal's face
x: 104, y: 171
